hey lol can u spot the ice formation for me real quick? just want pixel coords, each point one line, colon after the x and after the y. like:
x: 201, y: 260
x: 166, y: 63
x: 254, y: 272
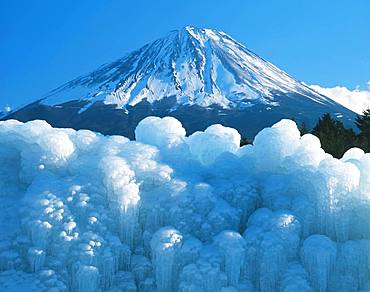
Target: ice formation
x: 87, y: 212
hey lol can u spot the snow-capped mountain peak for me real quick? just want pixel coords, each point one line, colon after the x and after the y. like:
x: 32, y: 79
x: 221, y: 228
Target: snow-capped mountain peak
x: 196, y: 66
x: 200, y: 76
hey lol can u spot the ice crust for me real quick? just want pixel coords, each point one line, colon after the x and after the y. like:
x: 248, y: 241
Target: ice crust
x: 87, y: 212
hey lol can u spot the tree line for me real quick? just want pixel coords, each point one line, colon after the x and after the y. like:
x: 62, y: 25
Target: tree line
x: 335, y: 138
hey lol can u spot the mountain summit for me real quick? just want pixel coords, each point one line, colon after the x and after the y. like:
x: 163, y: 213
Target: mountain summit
x: 200, y: 76
x: 197, y: 66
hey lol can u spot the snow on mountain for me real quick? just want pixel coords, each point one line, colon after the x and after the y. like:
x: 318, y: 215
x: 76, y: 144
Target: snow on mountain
x: 197, y: 66
x: 199, y: 76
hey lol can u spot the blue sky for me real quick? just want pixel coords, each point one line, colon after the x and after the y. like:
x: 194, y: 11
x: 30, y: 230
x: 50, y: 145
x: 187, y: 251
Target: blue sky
x: 45, y: 43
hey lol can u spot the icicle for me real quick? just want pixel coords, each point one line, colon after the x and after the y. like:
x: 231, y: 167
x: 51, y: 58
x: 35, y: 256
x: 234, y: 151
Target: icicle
x: 128, y: 218
x: 147, y: 286
x: 165, y: 246
x: 352, y: 266
x: 273, y: 260
x: 318, y: 256
x: 9, y: 259
x: 107, y: 268
x: 295, y: 279
x: 87, y: 279
x: 141, y: 267
x: 40, y: 232
x: 202, y: 276
x: 124, y: 281
x: 36, y: 259
x: 123, y: 195
x: 122, y: 254
x: 232, y: 245
x: 335, y: 201
x: 190, y: 251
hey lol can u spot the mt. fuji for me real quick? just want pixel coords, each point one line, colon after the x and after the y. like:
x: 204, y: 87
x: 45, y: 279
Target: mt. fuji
x: 199, y: 76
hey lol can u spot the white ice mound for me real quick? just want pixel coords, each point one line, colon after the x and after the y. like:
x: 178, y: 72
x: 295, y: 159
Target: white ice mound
x: 86, y: 212
x: 160, y: 132
x: 215, y: 140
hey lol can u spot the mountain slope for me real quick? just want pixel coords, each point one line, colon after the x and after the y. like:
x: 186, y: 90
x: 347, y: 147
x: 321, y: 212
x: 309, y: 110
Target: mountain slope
x: 201, y: 76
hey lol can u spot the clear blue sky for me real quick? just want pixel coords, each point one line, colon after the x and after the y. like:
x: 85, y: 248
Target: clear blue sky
x: 46, y: 43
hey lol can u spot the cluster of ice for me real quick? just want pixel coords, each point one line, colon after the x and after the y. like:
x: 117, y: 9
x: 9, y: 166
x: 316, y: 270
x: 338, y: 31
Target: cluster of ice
x: 87, y: 212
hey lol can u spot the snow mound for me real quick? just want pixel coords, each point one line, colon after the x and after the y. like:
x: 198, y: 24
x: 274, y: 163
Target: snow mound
x: 215, y: 140
x: 162, y: 133
x: 87, y: 212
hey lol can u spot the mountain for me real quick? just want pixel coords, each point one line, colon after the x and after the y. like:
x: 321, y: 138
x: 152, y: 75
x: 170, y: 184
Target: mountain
x: 200, y: 76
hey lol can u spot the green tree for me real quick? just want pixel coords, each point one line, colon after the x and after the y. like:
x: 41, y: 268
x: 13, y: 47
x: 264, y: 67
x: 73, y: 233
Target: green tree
x: 335, y: 138
x: 303, y: 129
x: 245, y: 141
x: 363, y: 124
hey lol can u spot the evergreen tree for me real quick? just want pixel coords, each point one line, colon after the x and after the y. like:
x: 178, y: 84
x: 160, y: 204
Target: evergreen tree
x: 245, y: 141
x: 363, y: 124
x: 335, y: 138
x: 303, y: 129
